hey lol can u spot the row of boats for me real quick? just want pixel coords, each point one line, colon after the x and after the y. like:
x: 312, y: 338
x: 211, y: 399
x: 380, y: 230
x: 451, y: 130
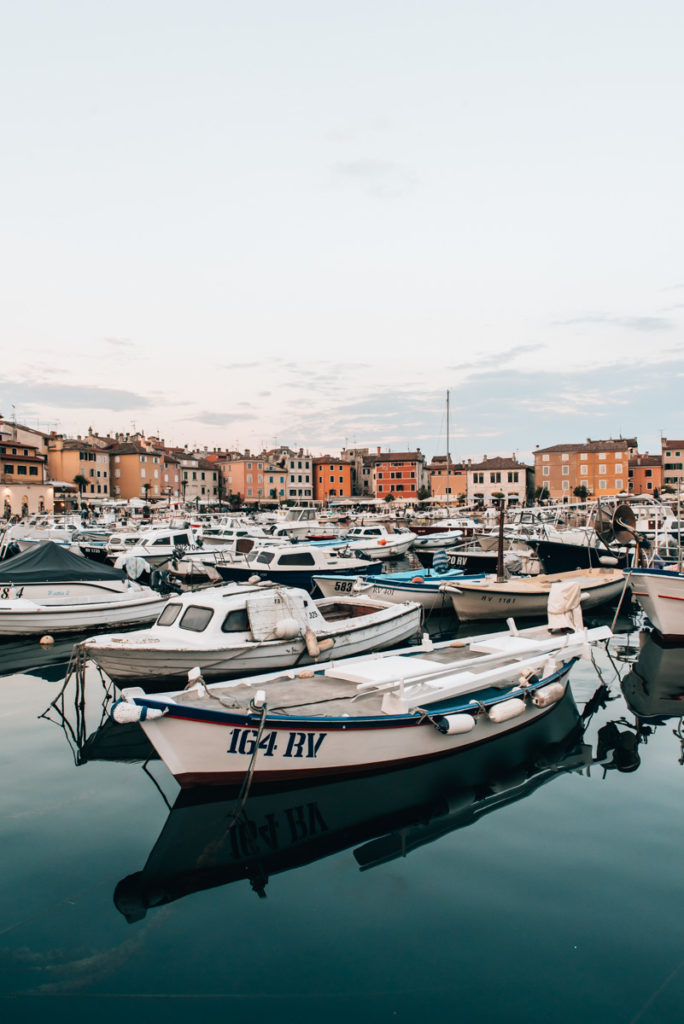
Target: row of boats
x: 210, y: 839
x: 333, y: 693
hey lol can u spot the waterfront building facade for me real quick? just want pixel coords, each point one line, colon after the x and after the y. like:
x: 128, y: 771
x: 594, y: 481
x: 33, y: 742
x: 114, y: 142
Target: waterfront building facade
x: 24, y: 485
x: 332, y: 478
x: 497, y: 478
x: 645, y: 474
x: 601, y: 468
x: 672, y: 456
x: 447, y: 480
x: 399, y: 474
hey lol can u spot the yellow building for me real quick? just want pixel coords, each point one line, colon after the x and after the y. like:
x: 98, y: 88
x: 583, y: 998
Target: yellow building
x: 69, y: 459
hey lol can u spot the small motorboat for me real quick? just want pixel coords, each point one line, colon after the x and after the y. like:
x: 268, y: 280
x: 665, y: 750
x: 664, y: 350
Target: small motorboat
x: 528, y: 596
x: 48, y: 589
x: 360, y: 715
x: 422, y: 585
x: 240, y: 628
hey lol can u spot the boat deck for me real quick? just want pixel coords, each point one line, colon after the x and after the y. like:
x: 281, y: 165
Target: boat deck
x: 355, y: 687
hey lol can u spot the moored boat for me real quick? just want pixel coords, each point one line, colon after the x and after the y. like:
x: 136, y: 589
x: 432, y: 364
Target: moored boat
x: 359, y: 715
x: 241, y: 628
x: 528, y: 596
x: 48, y: 589
x: 660, y: 592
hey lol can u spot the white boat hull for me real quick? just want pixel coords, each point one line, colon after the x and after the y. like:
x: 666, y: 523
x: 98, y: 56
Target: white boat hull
x: 490, y: 600
x: 661, y: 595
x: 17, y: 618
x: 220, y: 752
x: 125, y: 659
x: 430, y: 599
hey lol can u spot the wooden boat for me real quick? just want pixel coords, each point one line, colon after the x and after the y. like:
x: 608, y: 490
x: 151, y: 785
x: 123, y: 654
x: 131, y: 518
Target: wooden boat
x: 47, y: 589
x: 238, y: 628
x: 527, y: 596
x: 209, y: 839
x: 359, y: 715
x: 660, y: 592
x: 422, y: 585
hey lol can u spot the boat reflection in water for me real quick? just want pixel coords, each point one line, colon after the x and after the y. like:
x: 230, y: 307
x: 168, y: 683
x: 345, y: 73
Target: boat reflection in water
x: 209, y: 840
x: 653, y: 689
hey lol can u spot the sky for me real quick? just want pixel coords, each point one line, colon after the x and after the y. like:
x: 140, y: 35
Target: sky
x: 248, y: 224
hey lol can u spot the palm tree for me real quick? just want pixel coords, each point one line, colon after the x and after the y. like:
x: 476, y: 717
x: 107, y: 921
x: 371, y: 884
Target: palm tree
x: 81, y: 482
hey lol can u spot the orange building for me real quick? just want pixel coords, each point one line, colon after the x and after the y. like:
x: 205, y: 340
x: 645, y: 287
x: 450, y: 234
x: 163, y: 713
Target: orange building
x: 447, y: 481
x: 332, y: 478
x: 401, y: 474
x: 645, y: 474
x: 602, y: 467
x: 137, y: 472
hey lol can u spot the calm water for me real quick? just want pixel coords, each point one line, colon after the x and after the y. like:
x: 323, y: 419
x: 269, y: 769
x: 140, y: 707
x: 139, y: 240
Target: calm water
x: 540, y: 879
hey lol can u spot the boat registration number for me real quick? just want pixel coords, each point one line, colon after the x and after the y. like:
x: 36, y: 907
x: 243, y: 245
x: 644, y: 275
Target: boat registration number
x: 343, y: 585
x: 9, y: 592
x: 290, y: 744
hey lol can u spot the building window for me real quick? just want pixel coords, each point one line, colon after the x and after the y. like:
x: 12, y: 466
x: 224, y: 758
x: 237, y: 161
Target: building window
x: 566, y: 485
x: 545, y: 471
x: 602, y: 469
x: 603, y: 484
x: 584, y: 470
x: 565, y: 470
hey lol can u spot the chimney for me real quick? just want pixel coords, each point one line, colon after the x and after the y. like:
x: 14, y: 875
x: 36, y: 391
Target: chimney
x: 378, y: 449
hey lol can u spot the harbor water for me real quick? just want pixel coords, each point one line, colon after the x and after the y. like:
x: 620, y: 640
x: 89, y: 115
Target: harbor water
x: 537, y: 878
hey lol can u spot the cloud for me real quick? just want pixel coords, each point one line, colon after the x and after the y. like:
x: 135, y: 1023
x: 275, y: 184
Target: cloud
x: 497, y: 358
x: 70, y: 396
x: 120, y: 342
x: 221, y: 419
x: 381, y: 179
x: 633, y: 323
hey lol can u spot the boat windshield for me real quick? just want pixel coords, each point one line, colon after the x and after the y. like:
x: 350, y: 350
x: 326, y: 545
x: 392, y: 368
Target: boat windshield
x: 169, y: 615
x: 196, y: 619
x: 265, y: 557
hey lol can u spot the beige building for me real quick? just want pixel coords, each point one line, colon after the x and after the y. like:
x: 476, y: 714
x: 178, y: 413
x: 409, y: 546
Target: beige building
x: 491, y: 478
x: 24, y: 485
x: 672, y: 457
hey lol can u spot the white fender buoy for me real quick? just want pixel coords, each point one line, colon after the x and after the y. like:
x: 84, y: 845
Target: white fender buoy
x: 547, y: 695
x: 325, y: 645
x: 312, y: 647
x: 452, y: 725
x: 507, y: 709
x: 124, y: 712
x: 287, y: 628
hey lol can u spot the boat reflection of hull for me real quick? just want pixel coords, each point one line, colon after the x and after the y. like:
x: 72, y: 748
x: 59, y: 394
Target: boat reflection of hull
x: 206, y: 842
x: 654, y: 687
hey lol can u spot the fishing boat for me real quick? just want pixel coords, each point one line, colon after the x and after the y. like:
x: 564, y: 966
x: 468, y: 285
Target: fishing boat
x: 48, y: 589
x: 210, y: 839
x: 359, y: 715
x: 660, y: 592
x: 239, y: 628
x: 527, y: 596
x: 422, y: 585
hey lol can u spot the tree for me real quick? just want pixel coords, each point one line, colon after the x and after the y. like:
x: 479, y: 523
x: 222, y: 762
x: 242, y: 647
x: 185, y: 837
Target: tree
x: 581, y: 492
x: 146, y: 491
x: 423, y: 493
x: 541, y: 494
x: 81, y: 482
x: 389, y: 498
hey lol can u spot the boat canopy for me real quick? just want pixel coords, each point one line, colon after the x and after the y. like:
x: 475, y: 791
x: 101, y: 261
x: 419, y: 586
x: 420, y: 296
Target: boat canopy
x: 50, y: 563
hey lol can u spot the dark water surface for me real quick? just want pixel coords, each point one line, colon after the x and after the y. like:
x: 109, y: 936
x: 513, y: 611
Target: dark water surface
x: 538, y: 879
